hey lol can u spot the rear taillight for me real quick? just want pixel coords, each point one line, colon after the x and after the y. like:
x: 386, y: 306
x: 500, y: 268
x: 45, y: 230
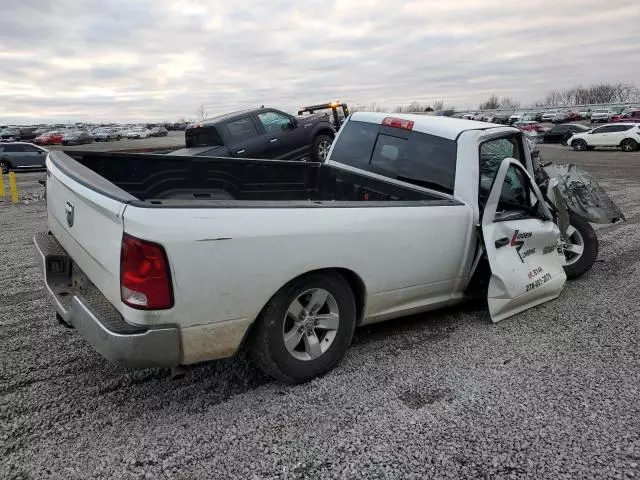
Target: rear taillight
x: 398, y: 123
x: 145, y: 281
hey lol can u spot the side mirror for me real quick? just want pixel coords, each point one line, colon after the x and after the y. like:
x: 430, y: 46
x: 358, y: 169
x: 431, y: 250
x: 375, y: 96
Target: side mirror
x: 293, y: 124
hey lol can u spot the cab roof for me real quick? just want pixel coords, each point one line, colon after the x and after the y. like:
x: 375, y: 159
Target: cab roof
x: 445, y: 127
x: 226, y: 116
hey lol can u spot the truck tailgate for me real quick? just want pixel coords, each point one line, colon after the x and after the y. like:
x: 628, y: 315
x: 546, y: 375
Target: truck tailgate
x: 88, y: 225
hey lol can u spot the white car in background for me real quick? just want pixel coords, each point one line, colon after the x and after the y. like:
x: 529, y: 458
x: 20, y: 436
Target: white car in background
x: 622, y: 135
x: 472, y: 116
x: 601, y: 115
x: 549, y: 115
x: 138, y: 132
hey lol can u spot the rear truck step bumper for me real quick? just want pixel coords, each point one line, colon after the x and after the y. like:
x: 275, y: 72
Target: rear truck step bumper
x: 88, y: 311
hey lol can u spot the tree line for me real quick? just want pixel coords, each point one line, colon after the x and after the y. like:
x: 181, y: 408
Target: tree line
x: 603, y: 93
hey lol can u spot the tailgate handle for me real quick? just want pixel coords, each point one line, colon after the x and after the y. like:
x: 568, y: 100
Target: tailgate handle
x: 502, y: 242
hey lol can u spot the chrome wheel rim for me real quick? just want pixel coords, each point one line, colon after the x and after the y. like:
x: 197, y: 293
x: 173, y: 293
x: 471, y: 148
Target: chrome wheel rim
x: 323, y: 149
x: 310, y: 324
x: 573, y: 246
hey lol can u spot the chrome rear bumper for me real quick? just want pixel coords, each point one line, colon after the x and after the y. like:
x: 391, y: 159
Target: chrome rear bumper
x: 99, y: 322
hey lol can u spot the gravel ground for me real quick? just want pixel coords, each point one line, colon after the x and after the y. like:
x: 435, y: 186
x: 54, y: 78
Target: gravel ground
x: 550, y: 393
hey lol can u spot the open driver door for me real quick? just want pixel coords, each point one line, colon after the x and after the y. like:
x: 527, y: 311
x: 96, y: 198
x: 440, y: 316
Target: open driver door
x: 521, y: 242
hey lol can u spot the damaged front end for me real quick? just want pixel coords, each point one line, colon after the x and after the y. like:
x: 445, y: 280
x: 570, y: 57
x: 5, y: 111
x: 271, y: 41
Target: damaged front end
x: 582, y: 194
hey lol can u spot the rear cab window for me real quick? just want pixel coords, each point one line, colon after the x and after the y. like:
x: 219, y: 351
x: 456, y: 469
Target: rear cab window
x: 407, y: 155
x: 205, y: 136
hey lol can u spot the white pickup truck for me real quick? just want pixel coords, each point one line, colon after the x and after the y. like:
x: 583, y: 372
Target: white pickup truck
x: 164, y: 260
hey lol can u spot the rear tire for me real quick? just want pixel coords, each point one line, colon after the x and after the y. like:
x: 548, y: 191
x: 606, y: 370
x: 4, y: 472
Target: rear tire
x: 4, y: 166
x: 320, y: 148
x: 579, y: 145
x: 629, y: 145
x: 300, y: 358
x: 581, y: 235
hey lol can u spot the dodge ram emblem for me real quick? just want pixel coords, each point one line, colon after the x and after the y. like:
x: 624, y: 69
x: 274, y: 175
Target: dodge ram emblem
x: 68, y: 210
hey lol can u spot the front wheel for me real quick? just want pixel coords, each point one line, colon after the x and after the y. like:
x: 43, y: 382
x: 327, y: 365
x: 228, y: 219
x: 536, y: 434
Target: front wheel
x: 305, y: 329
x: 579, y: 145
x: 629, y: 145
x: 4, y: 166
x: 320, y: 148
x: 580, y: 247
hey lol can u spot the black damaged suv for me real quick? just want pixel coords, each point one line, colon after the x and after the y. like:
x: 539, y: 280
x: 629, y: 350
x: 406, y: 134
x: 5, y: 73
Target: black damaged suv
x: 261, y: 133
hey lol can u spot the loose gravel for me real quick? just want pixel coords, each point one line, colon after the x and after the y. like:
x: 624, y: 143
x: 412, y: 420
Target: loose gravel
x: 550, y: 393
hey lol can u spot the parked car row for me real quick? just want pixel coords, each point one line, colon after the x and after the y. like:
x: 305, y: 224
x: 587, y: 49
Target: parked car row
x: 559, y: 115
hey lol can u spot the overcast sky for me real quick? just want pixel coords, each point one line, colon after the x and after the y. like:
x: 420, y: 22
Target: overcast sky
x: 135, y: 60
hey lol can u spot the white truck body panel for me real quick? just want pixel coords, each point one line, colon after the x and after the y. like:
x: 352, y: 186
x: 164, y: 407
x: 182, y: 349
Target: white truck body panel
x: 227, y: 263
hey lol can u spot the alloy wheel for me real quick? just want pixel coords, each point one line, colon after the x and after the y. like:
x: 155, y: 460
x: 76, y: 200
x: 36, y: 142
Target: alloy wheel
x: 311, y: 324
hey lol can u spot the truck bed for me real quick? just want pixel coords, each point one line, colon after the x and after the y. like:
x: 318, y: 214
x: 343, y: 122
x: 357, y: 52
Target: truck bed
x: 154, y: 180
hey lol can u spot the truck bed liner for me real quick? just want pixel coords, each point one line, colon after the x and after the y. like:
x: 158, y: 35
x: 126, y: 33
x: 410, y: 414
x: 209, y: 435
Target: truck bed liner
x: 153, y: 180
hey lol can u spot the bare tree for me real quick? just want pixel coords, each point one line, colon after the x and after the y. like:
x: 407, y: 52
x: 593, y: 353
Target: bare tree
x: 622, y: 92
x: 438, y: 104
x: 202, y: 113
x: 374, y: 107
x: 491, y: 104
x: 415, y: 107
x: 554, y: 97
x: 509, y: 103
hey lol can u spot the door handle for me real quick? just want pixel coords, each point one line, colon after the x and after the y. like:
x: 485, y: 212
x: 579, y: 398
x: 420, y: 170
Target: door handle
x: 240, y: 152
x: 502, y: 242
x: 273, y: 140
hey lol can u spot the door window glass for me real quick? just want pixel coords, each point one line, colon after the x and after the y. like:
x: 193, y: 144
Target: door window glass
x: 31, y: 149
x: 241, y: 130
x: 515, y: 191
x: 492, y: 153
x: 14, y: 148
x: 274, y: 122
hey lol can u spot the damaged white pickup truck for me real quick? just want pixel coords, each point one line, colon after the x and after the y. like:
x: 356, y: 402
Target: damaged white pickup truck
x: 161, y: 260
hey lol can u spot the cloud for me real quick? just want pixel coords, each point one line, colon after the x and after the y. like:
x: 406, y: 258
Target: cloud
x: 160, y: 60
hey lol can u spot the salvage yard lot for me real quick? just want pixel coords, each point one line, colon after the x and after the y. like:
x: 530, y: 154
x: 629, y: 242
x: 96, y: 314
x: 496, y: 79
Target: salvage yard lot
x: 173, y: 139
x: 550, y: 393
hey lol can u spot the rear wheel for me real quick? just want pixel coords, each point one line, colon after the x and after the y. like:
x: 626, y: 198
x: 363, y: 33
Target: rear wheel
x: 580, y: 247
x: 629, y: 145
x: 579, y: 145
x: 321, y: 146
x: 305, y: 329
x: 4, y: 166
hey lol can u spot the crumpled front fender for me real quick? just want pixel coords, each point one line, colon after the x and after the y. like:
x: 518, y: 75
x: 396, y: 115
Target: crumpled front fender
x: 583, y: 195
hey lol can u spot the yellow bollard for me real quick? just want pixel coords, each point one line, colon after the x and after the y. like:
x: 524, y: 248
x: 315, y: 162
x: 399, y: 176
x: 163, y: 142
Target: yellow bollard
x: 13, y: 187
x: 2, y: 192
